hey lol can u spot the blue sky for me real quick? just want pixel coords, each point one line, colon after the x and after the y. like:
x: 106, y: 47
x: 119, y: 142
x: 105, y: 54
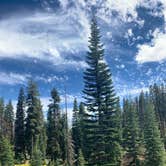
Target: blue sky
x: 47, y: 40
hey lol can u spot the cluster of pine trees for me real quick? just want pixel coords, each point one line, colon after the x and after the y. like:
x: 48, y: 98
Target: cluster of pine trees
x: 103, y: 133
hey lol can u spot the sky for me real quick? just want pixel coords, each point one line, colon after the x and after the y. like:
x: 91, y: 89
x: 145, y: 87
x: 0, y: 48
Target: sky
x: 47, y: 40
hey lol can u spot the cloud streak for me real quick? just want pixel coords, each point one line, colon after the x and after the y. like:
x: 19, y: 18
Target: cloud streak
x: 41, y: 37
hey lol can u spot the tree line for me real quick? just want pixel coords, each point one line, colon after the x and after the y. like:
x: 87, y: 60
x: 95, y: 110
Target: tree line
x: 104, y: 132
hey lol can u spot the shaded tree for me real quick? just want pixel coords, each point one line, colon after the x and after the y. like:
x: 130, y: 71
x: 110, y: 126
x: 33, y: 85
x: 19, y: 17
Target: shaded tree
x: 154, y: 146
x: 131, y: 139
x: 19, y: 143
x: 9, y: 121
x: 6, y: 153
x: 34, y: 119
x: 102, y: 145
x: 53, y: 127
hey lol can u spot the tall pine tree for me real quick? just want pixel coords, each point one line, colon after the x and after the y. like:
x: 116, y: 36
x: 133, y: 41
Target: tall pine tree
x: 102, y: 145
x: 19, y: 145
x: 6, y: 153
x: 9, y: 121
x: 53, y: 127
x: 154, y: 146
x: 34, y: 119
x: 75, y: 130
x: 2, y: 117
x: 131, y: 139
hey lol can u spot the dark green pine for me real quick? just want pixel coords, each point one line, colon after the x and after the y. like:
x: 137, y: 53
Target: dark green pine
x: 141, y: 112
x: 2, y: 107
x: 6, y: 153
x: 131, y: 139
x: 19, y: 143
x: 53, y: 127
x: 155, y: 152
x: 75, y: 130
x: 81, y: 126
x: 34, y: 119
x: 101, y: 102
x: 158, y: 97
x: 9, y: 121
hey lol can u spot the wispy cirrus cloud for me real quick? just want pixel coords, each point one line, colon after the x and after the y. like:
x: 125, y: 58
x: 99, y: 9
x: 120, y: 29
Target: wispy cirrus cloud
x: 11, y: 78
x: 54, y: 36
x: 41, y: 37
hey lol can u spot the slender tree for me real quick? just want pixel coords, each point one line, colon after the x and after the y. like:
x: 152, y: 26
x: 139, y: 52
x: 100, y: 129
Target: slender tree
x: 75, y: 130
x: 81, y: 126
x: 154, y: 146
x: 158, y: 97
x: 102, y: 146
x: 62, y: 142
x: 141, y: 112
x: 2, y: 117
x: 9, y: 121
x: 131, y: 132
x: 6, y: 153
x: 19, y: 145
x: 81, y: 160
x: 34, y: 119
x: 70, y: 160
x: 53, y: 127
x: 36, y: 159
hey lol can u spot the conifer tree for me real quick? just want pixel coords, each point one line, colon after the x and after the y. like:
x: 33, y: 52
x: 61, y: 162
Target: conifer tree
x: 53, y: 127
x: 75, y: 130
x: 19, y: 145
x: 1, y: 117
x: 36, y: 159
x: 6, y: 153
x: 131, y: 140
x: 62, y: 142
x: 141, y: 112
x: 81, y: 160
x: 43, y: 140
x: 70, y: 159
x: 102, y: 146
x: 34, y: 119
x: 158, y: 97
x: 9, y: 121
x: 154, y: 146
x: 81, y: 125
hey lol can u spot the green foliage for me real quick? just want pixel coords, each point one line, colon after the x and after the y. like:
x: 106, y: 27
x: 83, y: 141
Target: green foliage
x: 76, y: 130
x: 100, y: 122
x: 158, y: 97
x: 53, y: 127
x: 19, y: 145
x: 131, y: 139
x: 6, y: 153
x: 141, y: 112
x: 34, y: 119
x: 36, y: 158
x: 81, y: 160
x: 9, y: 121
x: 154, y: 146
x: 70, y: 160
x: 2, y: 116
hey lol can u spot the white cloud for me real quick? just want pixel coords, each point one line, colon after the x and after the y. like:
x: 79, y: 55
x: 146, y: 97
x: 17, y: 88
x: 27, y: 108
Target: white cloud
x: 45, y: 37
x: 123, y: 8
x: 132, y: 92
x: 156, y: 52
x: 12, y: 78
x: 49, y: 37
